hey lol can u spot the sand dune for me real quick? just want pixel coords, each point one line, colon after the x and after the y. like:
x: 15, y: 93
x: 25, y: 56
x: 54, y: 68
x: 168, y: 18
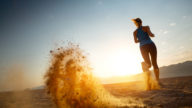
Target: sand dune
x: 175, y: 92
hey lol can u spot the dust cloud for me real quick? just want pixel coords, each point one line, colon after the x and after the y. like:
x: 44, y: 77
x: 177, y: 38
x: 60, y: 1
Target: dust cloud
x: 14, y: 78
x: 13, y: 88
x: 149, y: 82
x: 70, y: 82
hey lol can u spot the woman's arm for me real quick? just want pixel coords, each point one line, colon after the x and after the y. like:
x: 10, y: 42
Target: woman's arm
x: 135, y: 37
x: 149, y: 32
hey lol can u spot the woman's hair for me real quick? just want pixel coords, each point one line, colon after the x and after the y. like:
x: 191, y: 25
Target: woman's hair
x: 137, y: 21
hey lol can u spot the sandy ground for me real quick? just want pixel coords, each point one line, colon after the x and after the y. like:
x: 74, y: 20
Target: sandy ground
x: 174, y: 93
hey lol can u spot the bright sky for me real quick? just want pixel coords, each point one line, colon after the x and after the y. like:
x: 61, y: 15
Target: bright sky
x: 103, y: 28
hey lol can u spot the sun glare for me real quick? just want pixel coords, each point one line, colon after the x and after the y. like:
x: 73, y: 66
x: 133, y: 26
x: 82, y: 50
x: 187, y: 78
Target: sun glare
x: 120, y: 61
x: 124, y: 64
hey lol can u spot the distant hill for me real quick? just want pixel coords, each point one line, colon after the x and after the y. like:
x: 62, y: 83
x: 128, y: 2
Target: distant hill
x: 174, y: 70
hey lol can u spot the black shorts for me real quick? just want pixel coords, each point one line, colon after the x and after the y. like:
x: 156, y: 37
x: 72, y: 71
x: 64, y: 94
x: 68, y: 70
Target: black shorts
x: 149, y: 51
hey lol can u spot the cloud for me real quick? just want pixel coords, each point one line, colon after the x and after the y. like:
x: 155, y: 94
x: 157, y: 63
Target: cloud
x: 165, y: 32
x: 162, y: 32
x: 100, y: 3
x: 172, y: 24
x: 184, y: 17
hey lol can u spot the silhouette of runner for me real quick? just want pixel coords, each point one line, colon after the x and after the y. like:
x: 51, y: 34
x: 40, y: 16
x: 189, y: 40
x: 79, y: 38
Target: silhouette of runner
x: 147, y: 47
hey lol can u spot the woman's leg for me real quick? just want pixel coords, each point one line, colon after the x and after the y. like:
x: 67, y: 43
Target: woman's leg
x: 145, y: 54
x: 146, y: 65
x: 153, y: 53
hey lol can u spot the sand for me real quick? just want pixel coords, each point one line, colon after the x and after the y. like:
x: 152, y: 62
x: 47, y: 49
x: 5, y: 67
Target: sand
x: 174, y: 92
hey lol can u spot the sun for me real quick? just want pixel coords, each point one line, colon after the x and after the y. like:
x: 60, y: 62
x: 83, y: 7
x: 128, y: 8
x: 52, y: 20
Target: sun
x: 117, y: 62
x: 123, y: 63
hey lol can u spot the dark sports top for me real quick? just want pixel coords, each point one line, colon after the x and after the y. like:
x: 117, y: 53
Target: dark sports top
x: 143, y: 37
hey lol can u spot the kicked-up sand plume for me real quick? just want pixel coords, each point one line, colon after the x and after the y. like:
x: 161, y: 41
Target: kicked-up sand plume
x: 70, y: 82
x: 150, y: 83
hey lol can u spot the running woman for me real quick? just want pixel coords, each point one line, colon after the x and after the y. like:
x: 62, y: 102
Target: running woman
x: 147, y: 47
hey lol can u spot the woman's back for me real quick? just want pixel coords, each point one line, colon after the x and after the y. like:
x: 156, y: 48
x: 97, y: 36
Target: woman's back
x: 143, y: 36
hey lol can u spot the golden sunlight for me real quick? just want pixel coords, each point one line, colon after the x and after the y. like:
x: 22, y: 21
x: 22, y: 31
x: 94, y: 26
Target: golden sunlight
x: 123, y: 63
x: 116, y: 60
